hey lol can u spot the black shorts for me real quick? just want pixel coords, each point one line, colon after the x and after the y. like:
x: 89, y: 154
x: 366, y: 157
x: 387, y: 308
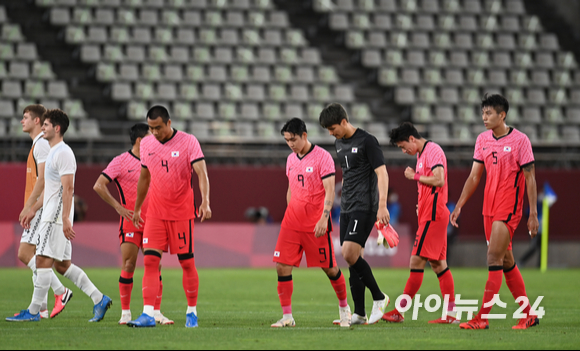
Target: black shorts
x: 356, y: 227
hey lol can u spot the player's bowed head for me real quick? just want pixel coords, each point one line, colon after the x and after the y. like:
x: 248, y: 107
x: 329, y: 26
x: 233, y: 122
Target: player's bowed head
x: 296, y: 135
x: 159, y: 123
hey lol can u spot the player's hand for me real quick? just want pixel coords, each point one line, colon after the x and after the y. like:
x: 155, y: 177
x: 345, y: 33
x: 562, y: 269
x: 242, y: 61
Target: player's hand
x: 454, y: 216
x: 23, y: 213
x: 410, y: 173
x: 204, y: 212
x: 67, y: 228
x: 28, y: 217
x: 125, y: 213
x: 321, y: 227
x: 533, y: 225
x: 137, y: 220
x: 383, y: 215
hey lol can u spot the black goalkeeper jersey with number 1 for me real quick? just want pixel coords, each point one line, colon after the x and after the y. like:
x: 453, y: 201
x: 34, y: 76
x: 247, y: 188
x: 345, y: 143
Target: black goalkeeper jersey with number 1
x: 359, y: 156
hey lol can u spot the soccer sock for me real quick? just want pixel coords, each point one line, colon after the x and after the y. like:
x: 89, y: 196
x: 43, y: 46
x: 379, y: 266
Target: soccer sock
x: 285, y: 290
x: 190, y: 278
x: 159, y: 294
x: 41, y: 288
x: 339, y: 285
x: 491, y: 288
x: 150, y: 281
x: 413, y: 284
x: 357, y: 290
x: 366, y: 276
x: 447, y: 286
x: 56, y: 285
x: 125, y: 289
x: 82, y: 281
x: 515, y: 282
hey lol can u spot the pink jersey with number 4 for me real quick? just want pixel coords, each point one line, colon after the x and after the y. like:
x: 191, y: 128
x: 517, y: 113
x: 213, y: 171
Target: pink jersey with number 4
x: 305, y: 176
x: 504, y: 159
x: 170, y: 164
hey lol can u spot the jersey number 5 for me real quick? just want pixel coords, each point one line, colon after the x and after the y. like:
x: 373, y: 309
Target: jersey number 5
x: 494, y: 155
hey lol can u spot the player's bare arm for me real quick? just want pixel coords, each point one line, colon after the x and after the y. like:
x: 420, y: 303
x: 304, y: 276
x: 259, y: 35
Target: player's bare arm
x: 532, y: 189
x: 36, y: 191
x: 468, y: 189
x: 322, y: 225
x: 100, y: 188
x: 29, y: 216
x: 200, y: 168
x: 68, y: 190
x: 436, y: 180
x: 142, y: 189
x: 288, y: 196
x: 383, y: 215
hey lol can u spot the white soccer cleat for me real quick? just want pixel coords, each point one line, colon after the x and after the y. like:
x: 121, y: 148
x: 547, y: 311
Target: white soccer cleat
x: 125, y: 318
x: 379, y: 308
x: 359, y: 320
x: 345, y: 317
x: 44, y: 314
x: 284, y: 322
x: 162, y: 320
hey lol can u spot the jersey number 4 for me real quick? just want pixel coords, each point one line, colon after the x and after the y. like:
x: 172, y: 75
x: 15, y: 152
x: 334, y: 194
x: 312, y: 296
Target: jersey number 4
x: 165, y: 163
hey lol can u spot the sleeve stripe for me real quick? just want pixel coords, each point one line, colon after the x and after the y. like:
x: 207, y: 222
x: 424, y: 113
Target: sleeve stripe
x: 439, y: 165
x: 107, y: 176
x: 196, y: 161
x: 478, y: 161
x: 328, y: 176
x: 527, y: 164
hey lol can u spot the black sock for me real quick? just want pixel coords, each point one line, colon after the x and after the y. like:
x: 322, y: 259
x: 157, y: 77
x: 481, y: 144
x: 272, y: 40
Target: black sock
x: 357, y: 290
x: 366, y: 276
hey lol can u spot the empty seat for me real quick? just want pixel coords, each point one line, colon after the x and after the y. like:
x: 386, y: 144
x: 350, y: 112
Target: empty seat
x: 250, y: 111
x: 293, y: 110
x: 205, y: 110
x: 182, y: 111
x: 462, y: 133
x: 439, y: 133
x: 344, y: 93
x: 549, y: 42
x: 167, y: 91
x: 123, y: 92
x: 89, y: 129
x: 34, y: 89
x: 444, y: 114
x: 19, y: 70
x: 421, y: 114
x: 227, y: 110
x: 532, y: 115
x: 339, y: 21
x: 449, y: 95
x: 410, y: 77
x: 26, y: 52
x: 6, y: 110
x: 58, y: 16
x: 550, y: 134
x: 211, y: 92
x: 541, y: 78
x: 405, y: 96
x: 454, y: 76
x: 498, y: 77
x: 553, y: 115
x: 571, y: 134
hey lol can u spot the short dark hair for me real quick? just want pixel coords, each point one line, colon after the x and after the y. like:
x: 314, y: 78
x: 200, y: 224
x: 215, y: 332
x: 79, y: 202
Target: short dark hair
x: 59, y: 118
x: 495, y: 101
x: 36, y: 111
x: 139, y: 130
x: 294, y: 126
x: 332, y: 114
x: 158, y: 111
x: 403, y: 132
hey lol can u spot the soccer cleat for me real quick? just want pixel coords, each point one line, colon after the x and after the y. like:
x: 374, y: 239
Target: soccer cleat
x: 125, y: 318
x: 101, y: 308
x: 379, y: 308
x: 359, y: 320
x: 475, y: 323
x: 526, y: 323
x: 44, y: 314
x: 447, y: 320
x: 161, y: 319
x: 24, y: 316
x: 284, y: 322
x: 191, y: 320
x: 60, y: 302
x: 345, y: 317
x: 393, y: 317
x: 144, y: 321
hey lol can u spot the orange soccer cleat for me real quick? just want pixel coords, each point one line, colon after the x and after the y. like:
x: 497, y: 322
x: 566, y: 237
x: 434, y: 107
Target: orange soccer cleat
x: 526, y: 323
x: 475, y: 323
x: 393, y: 317
x: 447, y: 320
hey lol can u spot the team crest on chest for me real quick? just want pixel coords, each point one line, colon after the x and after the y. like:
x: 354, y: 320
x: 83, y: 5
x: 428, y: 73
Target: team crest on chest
x: 354, y: 150
x: 507, y: 149
x: 174, y: 153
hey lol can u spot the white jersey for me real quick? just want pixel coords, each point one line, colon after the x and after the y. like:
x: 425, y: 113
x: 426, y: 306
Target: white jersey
x: 41, y: 148
x: 60, y: 161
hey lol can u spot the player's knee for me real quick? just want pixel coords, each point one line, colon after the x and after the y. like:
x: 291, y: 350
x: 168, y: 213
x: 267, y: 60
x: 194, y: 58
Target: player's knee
x: 331, y: 272
x: 283, y: 270
x: 129, y: 266
x: 494, y: 259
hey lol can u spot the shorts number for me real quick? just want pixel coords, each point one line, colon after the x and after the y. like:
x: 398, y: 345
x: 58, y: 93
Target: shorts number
x: 182, y: 237
x: 355, y: 225
x: 165, y: 163
x: 323, y: 254
x: 301, y: 179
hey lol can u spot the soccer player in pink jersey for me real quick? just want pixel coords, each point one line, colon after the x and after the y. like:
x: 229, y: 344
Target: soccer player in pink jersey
x: 307, y: 224
x: 168, y: 158
x: 124, y: 170
x: 507, y: 157
x: 430, y: 174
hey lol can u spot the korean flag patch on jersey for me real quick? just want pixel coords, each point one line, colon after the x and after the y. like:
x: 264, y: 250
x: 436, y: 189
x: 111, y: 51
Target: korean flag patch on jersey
x: 309, y: 169
x: 174, y: 153
x: 354, y: 150
x: 130, y: 235
x: 507, y: 149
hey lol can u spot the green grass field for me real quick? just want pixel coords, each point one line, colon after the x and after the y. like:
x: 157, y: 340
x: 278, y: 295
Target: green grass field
x: 237, y: 306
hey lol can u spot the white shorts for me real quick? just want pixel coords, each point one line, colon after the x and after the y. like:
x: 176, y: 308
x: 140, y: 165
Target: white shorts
x: 52, y: 242
x: 30, y: 236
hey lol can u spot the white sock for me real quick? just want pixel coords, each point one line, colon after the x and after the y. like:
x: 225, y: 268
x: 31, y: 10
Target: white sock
x: 41, y: 288
x: 32, y: 266
x: 124, y: 312
x: 149, y: 310
x: 191, y: 309
x: 82, y: 281
x: 156, y: 312
x: 56, y: 285
x: 287, y: 316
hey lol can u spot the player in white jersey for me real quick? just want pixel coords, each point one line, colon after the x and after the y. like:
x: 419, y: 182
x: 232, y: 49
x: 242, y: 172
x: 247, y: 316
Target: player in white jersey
x: 56, y: 230
x: 32, y: 120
